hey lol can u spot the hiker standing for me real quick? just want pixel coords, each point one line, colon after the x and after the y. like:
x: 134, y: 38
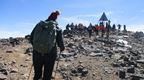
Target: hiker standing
x: 102, y: 28
x: 119, y: 27
x: 108, y: 27
x: 90, y: 30
x: 97, y: 30
x: 44, y: 38
x: 113, y: 27
x: 124, y: 28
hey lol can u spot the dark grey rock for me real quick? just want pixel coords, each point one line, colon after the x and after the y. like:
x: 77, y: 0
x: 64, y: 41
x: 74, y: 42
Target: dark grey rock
x: 1, y: 66
x: 132, y: 63
x: 29, y: 51
x: 134, y: 52
x: 84, y: 72
x: 81, y: 47
x: 4, y: 71
x: 122, y: 74
x: 80, y: 68
x: 131, y: 70
x: 9, y: 51
x: 125, y: 58
x: 138, y: 35
x: 136, y: 77
x: 70, y: 45
x: 115, y: 65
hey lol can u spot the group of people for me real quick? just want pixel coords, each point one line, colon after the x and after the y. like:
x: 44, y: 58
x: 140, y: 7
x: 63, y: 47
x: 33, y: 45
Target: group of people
x: 100, y: 28
x: 103, y: 28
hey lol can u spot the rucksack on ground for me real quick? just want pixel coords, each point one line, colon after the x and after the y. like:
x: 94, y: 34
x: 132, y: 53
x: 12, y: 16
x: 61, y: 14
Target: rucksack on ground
x: 44, y: 38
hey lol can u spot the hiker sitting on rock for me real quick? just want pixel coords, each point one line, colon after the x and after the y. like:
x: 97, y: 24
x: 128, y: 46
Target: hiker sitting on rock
x: 44, y: 38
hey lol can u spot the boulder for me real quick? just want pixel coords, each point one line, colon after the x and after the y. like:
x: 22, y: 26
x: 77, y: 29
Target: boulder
x: 131, y: 69
x: 80, y: 70
x: 96, y: 54
x: 1, y: 66
x: 3, y: 77
x: 9, y: 51
x: 14, y: 70
x: 90, y: 42
x: 136, y: 77
x: 115, y: 64
x: 130, y: 63
x: 66, y: 54
x: 70, y: 45
x: 140, y: 61
x: 84, y: 72
x: 4, y: 71
x: 138, y: 35
x: 29, y: 51
x: 122, y: 74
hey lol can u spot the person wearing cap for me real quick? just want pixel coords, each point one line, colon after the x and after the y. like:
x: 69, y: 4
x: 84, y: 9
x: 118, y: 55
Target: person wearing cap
x: 46, y: 61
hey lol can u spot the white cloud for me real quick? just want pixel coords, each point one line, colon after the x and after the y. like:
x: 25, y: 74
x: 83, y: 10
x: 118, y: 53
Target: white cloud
x: 98, y: 15
x: 76, y: 20
x: 84, y: 19
x: 16, y: 30
x: 7, y: 34
x: 135, y: 27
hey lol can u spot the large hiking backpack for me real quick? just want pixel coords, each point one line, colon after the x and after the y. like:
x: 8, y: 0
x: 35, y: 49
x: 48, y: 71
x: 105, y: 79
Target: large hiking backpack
x: 44, y: 38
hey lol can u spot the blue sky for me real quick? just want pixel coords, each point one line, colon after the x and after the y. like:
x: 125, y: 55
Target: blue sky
x: 18, y: 17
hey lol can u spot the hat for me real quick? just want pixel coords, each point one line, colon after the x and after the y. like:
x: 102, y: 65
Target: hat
x: 57, y: 12
x: 53, y: 15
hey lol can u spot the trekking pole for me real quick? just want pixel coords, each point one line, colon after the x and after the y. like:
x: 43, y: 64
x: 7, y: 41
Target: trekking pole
x: 57, y: 65
x: 30, y: 72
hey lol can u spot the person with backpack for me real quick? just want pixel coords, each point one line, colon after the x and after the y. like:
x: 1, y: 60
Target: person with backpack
x: 45, y: 38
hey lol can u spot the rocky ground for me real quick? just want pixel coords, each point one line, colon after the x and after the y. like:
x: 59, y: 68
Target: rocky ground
x: 119, y: 58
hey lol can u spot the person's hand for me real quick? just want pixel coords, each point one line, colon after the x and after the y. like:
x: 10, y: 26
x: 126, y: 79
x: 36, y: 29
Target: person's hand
x: 62, y: 49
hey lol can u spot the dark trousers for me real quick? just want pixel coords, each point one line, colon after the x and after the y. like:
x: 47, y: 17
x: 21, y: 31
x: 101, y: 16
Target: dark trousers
x: 103, y: 32
x: 90, y: 33
x: 47, y: 61
x: 96, y: 32
x: 107, y: 34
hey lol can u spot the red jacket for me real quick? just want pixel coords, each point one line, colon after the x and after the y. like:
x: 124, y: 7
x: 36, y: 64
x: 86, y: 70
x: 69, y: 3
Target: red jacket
x: 100, y: 28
